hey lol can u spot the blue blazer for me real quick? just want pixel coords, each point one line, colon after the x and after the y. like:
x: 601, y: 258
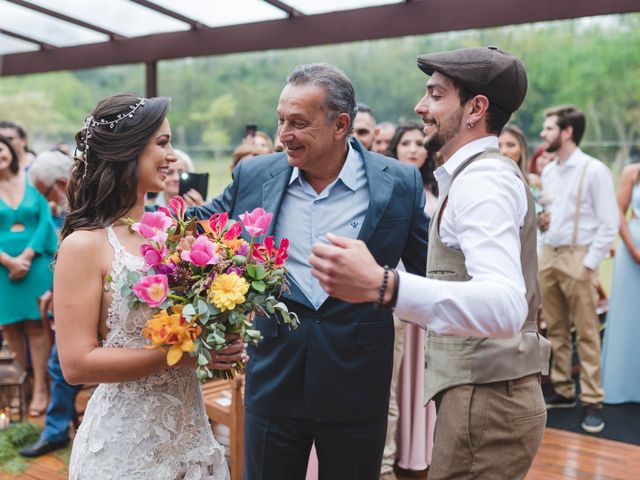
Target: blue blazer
x: 336, y: 367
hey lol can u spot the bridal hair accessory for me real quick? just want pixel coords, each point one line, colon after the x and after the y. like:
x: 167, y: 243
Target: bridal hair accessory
x: 91, y: 122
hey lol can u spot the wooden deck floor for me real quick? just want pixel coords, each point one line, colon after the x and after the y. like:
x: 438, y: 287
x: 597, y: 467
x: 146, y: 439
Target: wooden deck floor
x: 563, y: 456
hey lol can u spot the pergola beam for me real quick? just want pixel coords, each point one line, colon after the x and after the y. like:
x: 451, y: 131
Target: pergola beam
x: 19, y: 36
x: 194, y: 24
x: 291, y: 12
x: 66, y: 18
x: 413, y: 18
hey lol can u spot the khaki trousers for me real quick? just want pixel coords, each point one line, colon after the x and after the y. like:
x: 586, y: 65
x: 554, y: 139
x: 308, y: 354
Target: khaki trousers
x: 569, y: 297
x: 489, y: 431
x: 390, y: 446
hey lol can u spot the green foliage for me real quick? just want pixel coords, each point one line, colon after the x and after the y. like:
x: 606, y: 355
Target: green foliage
x: 13, y: 439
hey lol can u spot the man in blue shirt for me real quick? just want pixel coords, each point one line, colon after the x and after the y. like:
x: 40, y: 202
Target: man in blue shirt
x: 328, y: 381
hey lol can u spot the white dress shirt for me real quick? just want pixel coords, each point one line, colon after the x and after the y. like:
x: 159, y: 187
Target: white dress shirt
x: 486, y: 208
x: 599, y: 215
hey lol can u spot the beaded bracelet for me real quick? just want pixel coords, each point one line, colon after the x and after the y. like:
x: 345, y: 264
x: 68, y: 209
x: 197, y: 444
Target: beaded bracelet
x: 383, y: 287
x: 396, y: 288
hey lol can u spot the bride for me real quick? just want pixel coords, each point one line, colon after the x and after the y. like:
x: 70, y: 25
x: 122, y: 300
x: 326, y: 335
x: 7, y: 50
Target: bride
x: 145, y: 420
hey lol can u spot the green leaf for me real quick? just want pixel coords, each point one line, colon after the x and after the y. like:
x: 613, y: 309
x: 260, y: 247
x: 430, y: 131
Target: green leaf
x: 188, y: 310
x: 258, y: 285
x: 202, y: 359
x: 239, y: 260
x: 251, y: 270
x: 202, y: 307
x: 253, y: 334
x: 260, y: 272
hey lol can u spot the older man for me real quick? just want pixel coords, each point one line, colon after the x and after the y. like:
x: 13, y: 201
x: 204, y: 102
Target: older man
x: 49, y: 173
x: 480, y: 298
x: 328, y: 381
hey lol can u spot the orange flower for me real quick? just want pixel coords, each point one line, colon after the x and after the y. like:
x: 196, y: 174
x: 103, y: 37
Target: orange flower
x: 172, y: 329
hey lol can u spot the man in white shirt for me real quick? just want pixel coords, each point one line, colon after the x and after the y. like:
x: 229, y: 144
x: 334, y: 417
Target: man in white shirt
x: 480, y: 298
x: 583, y: 220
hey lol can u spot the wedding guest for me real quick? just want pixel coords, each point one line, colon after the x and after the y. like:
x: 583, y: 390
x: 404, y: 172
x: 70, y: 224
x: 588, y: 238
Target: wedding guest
x: 27, y: 243
x: 540, y: 159
x: 480, y: 298
x: 49, y: 173
x: 415, y: 429
x: 328, y: 381
x: 364, y: 125
x: 621, y: 384
x: 146, y: 420
x: 243, y: 151
x: 262, y: 142
x: 582, y: 223
x: 513, y: 144
x: 382, y: 137
x: 172, y: 184
x: 17, y: 136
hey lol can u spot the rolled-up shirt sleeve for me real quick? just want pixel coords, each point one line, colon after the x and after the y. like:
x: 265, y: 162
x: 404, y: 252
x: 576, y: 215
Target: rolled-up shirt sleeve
x: 486, y: 208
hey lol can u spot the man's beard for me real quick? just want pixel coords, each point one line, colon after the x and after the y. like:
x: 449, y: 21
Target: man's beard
x: 555, y: 145
x: 444, y: 134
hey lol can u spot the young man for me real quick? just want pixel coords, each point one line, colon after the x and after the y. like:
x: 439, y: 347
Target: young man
x: 583, y: 221
x: 364, y: 125
x: 328, y: 381
x: 479, y: 301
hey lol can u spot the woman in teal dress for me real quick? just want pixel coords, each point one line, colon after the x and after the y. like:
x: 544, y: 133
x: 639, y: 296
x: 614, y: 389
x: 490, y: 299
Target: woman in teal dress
x: 621, y: 355
x: 27, y: 243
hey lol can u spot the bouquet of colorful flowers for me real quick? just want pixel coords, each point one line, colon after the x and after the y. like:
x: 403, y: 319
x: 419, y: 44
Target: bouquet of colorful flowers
x: 205, y: 281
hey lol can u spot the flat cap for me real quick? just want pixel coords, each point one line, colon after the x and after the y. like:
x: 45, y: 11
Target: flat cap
x: 488, y: 71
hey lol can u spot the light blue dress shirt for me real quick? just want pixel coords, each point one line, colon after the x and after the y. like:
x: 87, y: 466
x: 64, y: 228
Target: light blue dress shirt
x: 306, y: 217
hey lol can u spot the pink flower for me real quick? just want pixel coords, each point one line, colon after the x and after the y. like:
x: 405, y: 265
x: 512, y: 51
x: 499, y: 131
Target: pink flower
x: 217, y: 222
x: 178, y: 206
x: 233, y: 232
x: 152, y: 256
x: 152, y: 289
x: 256, y: 222
x: 203, y: 252
x: 153, y: 226
x: 267, y: 251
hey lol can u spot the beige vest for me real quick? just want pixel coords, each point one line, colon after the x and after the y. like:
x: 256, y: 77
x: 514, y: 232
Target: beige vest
x: 454, y: 360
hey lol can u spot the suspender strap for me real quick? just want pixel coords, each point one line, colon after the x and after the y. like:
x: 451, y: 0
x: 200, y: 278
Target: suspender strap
x: 576, y: 221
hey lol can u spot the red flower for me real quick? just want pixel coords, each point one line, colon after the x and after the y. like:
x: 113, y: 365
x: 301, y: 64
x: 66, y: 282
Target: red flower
x: 267, y: 252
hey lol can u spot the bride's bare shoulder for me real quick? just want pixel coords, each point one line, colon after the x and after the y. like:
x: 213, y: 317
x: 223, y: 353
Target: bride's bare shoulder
x: 88, y: 243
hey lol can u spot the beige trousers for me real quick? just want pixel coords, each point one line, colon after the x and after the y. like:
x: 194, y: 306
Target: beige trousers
x: 390, y: 446
x: 489, y: 431
x: 569, y: 297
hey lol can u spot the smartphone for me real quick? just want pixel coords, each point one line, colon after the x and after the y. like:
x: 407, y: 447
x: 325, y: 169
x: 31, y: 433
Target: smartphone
x: 197, y: 181
x: 250, y: 130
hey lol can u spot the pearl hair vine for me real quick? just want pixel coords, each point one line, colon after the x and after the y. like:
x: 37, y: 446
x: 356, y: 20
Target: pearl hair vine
x: 91, y: 122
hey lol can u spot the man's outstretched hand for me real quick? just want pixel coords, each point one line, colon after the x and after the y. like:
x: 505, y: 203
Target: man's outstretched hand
x: 347, y: 270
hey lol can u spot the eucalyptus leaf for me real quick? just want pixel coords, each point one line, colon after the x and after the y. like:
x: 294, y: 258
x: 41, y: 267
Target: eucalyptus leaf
x: 188, y: 310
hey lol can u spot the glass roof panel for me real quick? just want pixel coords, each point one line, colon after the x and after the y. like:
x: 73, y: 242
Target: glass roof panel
x: 224, y: 12
x: 119, y: 16
x: 311, y: 7
x: 13, y: 45
x: 45, y: 28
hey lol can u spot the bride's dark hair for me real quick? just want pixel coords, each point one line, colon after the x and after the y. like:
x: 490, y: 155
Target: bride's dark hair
x: 102, y: 186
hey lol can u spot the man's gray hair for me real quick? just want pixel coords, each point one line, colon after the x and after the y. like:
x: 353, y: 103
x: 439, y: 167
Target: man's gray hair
x: 49, y: 167
x: 341, y: 97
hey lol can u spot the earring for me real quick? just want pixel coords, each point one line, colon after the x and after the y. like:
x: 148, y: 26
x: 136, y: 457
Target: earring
x: 469, y: 125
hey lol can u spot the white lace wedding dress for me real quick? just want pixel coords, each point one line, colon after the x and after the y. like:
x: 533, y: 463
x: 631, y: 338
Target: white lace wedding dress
x: 151, y: 428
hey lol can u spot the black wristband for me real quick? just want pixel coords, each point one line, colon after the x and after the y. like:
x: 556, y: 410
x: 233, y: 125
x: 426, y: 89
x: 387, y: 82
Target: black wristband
x: 383, y: 287
x: 396, y: 288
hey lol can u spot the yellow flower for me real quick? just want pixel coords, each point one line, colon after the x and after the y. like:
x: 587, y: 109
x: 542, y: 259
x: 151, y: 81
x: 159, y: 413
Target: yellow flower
x: 172, y: 329
x: 227, y: 291
x: 235, y: 244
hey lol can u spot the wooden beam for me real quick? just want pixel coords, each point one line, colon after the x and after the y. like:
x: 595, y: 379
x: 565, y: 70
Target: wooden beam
x: 151, y: 77
x: 19, y: 36
x: 66, y: 18
x: 291, y: 12
x: 413, y: 18
x: 169, y: 13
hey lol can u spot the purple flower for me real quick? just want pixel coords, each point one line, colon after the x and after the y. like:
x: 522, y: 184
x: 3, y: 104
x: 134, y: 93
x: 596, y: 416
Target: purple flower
x: 234, y: 269
x: 243, y: 250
